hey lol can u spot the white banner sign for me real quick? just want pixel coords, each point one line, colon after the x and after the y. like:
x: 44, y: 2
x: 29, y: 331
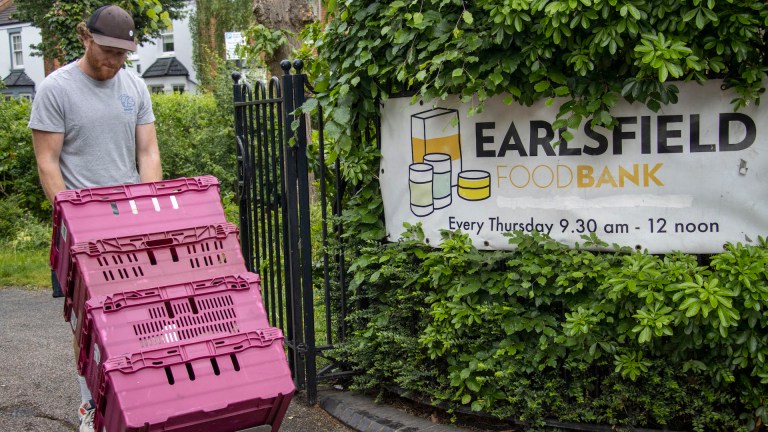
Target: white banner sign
x: 690, y: 177
x: 231, y: 41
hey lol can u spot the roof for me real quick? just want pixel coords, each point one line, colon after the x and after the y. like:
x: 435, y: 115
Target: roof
x: 166, y: 66
x: 18, y: 78
x: 7, y: 8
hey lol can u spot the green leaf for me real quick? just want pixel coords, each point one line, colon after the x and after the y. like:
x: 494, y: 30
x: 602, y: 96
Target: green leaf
x: 467, y: 17
x: 541, y: 86
x: 309, y: 105
x: 341, y: 114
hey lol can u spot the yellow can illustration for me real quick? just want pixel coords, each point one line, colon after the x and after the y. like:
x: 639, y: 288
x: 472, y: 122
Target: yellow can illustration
x: 474, y: 185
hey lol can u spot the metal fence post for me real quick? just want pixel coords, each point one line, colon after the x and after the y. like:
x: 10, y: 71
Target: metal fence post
x: 305, y: 234
x: 293, y: 274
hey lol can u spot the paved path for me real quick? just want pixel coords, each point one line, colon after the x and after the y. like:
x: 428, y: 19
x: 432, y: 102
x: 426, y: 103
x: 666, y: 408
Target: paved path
x: 38, y: 385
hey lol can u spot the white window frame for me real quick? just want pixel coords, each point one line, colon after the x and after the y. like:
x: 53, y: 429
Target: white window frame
x: 178, y: 88
x: 17, y: 51
x: 163, y: 37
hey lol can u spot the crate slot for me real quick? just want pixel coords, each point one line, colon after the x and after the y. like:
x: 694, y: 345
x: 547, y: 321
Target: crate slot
x: 190, y: 371
x: 169, y: 375
x: 235, y: 363
x: 215, y: 365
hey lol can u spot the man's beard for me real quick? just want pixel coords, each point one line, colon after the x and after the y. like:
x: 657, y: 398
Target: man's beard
x: 101, y: 70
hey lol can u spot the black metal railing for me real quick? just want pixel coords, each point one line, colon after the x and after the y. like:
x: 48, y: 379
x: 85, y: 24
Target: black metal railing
x: 275, y: 170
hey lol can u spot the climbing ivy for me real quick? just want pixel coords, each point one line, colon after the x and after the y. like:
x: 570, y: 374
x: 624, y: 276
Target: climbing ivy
x: 591, y: 53
x: 621, y: 338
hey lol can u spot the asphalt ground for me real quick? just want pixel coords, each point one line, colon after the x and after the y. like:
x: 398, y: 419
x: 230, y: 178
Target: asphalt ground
x: 38, y: 380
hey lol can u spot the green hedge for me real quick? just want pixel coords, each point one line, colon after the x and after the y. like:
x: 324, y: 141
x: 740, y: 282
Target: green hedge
x: 195, y: 134
x: 546, y: 332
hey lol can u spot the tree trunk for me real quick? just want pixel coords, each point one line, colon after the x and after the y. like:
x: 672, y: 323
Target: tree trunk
x: 289, y: 15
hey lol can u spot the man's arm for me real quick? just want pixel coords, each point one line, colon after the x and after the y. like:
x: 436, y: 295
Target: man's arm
x: 47, y: 151
x: 148, y: 153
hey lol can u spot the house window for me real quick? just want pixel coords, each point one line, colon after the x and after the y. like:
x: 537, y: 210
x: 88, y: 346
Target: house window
x: 26, y: 96
x: 178, y: 88
x: 17, y: 55
x: 167, y: 40
x: 156, y: 89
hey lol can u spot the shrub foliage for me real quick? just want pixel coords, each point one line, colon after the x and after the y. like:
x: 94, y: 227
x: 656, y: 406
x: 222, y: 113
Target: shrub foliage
x: 622, y: 338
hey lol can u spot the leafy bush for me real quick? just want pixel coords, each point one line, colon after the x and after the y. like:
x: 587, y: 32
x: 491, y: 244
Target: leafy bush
x: 622, y: 338
x: 19, y: 230
x: 196, y: 137
x: 18, y: 170
x: 11, y: 216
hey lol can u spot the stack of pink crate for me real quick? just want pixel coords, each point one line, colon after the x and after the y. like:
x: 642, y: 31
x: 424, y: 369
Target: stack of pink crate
x: 171, y: 328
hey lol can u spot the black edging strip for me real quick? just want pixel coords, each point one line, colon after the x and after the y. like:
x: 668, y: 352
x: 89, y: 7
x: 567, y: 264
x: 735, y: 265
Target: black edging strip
x: 585, y: 427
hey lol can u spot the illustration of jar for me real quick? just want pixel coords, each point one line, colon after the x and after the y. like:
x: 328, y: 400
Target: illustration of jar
x: 420, y: 186
x: 437, y: 131
x: 441, y: 178
x: 474, y: 185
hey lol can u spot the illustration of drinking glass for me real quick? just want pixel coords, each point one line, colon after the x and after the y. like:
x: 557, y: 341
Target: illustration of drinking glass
x: 420, y: 185
x: 441, y: 178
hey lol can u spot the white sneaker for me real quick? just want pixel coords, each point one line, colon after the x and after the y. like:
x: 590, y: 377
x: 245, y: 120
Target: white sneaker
x: 86, y: 413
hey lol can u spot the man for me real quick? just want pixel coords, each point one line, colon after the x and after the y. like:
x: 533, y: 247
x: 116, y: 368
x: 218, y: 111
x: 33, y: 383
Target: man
x: 92, y: 124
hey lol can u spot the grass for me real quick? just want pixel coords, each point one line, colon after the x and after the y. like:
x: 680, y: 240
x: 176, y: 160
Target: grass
x: 25, y: 268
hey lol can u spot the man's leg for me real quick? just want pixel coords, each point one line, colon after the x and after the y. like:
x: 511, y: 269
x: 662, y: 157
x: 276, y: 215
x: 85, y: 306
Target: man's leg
x: 55, y: 285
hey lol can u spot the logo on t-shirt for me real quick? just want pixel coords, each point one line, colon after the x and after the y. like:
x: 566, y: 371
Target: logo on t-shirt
x: 128, y: 102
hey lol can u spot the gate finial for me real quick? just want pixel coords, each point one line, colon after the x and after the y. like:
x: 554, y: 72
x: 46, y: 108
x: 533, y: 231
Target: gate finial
x: 285, y: 65
x: 236, y: 76
x: 298, y: 65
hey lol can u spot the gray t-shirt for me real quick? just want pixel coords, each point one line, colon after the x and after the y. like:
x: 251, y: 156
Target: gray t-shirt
x: 98, y: 119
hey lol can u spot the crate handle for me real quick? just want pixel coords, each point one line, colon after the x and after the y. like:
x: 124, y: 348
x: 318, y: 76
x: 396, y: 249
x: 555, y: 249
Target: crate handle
x: 159, y: 242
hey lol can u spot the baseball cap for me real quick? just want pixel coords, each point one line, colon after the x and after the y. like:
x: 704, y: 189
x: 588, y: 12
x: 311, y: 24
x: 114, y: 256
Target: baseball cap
x: 113, y: 27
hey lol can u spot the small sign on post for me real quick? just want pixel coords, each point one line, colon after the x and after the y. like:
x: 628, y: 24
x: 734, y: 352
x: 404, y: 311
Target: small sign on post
x: 231, y: 41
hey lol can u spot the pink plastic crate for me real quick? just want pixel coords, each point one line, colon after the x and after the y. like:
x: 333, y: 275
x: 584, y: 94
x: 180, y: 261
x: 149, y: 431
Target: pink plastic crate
x: 114, y: 211
x: 221, y: 385
x: 138, y: 262
x: 131, y: 321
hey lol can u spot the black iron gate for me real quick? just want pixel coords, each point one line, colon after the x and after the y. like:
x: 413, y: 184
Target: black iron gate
x: 279, y: 208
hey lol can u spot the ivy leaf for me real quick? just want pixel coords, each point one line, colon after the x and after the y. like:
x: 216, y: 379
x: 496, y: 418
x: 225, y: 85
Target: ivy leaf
x: 472, y: 384
x: 341, y: 114
x: 309, y: 105
x: 467, y: 17
x: 541, y: 86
